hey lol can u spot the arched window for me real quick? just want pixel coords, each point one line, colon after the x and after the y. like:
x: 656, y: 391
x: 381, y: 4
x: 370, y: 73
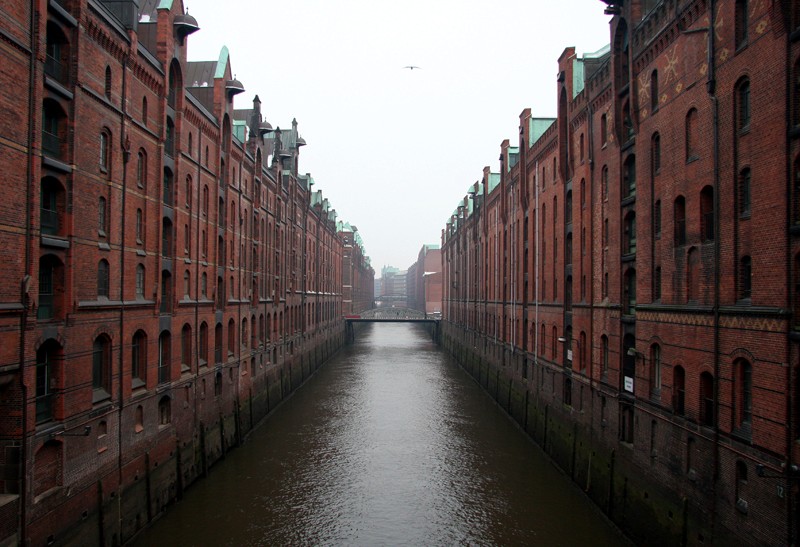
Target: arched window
x: 741, y: 23
x: 654, y: 91
x: 144, y: 110
x: 630, y: 292
x: 707, y: 213
x: 745, y: 284
x: 140, y: 281
x: 692, y: 153
x: 678, y: 390
x: 627, y: 122
x: 742, y: 394
x: 53, y: 128
x: 204, y: 285
x: 52, y: 206
x: 57, y: 55
x: 107, y: 89
x: 203, y: 357
x: 186, y: 284
x: 679, y: 220
x: 51, y: 288
x: 744, y: 192
x: 186, y: 348
x: 603, y: 131
x: 706, y: 399
x: 102, y: 279
x: 218, y: 343
x: 166, y: 292
x: 169, y: 139
x: 48, y: 360
x: 101, y: 368
x: 141, y: 168
x: 630, y: 233
x: 743, y: 105
x: 139, y: 227
x: 164, y: 357
x: 139, y: 359
x: 166, y: 237
x: 568, y: 208
x: 174, y: 84
x: 604, y: 182
x: 231, y: 338
x: 105, y: 150
x: 692, y: 275
x: 168, y: 189
x: 655, y: 154
x: 629, y: 177
x: 655, y: 369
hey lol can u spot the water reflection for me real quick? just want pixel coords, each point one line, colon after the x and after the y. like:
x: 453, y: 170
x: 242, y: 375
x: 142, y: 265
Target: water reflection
x: 389, y: 444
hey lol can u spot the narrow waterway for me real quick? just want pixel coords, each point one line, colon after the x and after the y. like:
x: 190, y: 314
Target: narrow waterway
x: 390, y: 443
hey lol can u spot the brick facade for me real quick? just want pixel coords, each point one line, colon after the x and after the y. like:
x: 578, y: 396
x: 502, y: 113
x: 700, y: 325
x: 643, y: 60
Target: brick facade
x: 632, y: 272
x: 170, y: 276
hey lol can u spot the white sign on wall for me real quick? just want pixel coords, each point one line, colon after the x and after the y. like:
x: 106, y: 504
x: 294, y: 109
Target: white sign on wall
x: 629, y: 384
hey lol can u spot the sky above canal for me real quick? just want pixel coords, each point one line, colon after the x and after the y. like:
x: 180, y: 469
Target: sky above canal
x: 393, y: 149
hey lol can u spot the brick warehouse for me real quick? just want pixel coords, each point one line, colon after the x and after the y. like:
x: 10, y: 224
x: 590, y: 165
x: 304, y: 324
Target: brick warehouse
x: 627, y: 286
x: 171, y: 276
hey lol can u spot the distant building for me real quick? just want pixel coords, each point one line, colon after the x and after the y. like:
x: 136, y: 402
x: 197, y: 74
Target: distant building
x: 424, y: 281
x: 393, y: 287
x: 358, y: 277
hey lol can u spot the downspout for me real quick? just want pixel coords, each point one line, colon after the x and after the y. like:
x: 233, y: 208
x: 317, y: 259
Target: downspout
x: 711, y: 88
x: 536, y: 272
x: 23, y: 468
x: 588, y: 351
x: 126, y: 156
x: 791, y: 379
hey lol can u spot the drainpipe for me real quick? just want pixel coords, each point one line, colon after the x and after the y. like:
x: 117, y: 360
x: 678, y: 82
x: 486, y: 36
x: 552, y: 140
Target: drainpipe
x: 711, y: 88
x: 126, y: 156
x: 536, y: 272
x: 23, y: 468
x: 791, y: 379
x: 590, y: 338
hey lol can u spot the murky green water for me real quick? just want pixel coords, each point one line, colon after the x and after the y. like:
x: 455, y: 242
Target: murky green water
x: 389, y: 444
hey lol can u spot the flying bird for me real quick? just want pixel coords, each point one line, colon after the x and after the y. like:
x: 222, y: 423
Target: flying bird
x: 411, y: 67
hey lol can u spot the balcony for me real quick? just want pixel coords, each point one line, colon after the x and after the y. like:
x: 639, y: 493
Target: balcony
x: 51, y: 144
x: 55, y: 69
x: 49, y: 222
x: 44, y: 407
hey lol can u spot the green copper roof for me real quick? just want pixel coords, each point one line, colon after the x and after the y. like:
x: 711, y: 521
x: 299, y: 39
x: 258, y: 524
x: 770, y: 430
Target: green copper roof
x: 222, y: 63
x: 240, y: 130
x: 538, y: 127
x: 577, y: 77
x: 494, y: 181
x: 165, y: 4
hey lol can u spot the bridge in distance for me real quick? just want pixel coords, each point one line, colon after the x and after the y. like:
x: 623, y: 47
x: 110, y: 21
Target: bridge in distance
x: 391, y: 315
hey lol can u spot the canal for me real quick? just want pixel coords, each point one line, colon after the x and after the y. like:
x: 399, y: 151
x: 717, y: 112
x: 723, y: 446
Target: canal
x: 390, y: 443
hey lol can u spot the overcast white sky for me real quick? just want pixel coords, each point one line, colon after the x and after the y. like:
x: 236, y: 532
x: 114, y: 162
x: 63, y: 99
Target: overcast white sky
x: 394, y: 150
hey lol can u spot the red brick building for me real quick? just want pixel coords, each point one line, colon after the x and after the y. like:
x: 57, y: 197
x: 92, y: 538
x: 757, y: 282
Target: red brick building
x: 424, y: 281
x: 358, y: 276
x: 170, y: 276
x: 627, y: 284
